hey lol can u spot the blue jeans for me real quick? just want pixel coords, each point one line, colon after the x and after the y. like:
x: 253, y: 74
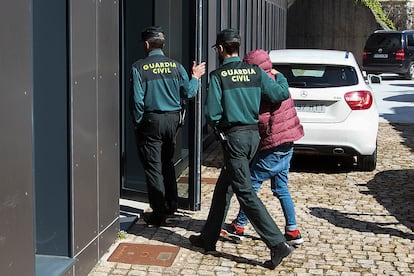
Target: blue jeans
x: 273, y: 164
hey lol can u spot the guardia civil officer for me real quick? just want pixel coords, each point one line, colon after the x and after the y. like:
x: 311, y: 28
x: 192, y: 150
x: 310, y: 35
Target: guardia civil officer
x: 232, y: 107
x: 159, y: 84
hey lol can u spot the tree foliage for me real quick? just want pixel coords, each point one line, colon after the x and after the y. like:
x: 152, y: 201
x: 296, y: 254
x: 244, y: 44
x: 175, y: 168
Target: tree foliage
x: 376, y: 7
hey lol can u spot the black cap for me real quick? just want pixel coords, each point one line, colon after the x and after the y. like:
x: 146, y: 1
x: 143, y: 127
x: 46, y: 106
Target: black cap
x: 153, y: 31
x: 227, y: 36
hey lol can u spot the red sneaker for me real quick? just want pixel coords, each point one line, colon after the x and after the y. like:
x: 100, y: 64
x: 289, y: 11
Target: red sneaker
x: 232, y: 232
x: 294, y: 237
x: 235, y: 229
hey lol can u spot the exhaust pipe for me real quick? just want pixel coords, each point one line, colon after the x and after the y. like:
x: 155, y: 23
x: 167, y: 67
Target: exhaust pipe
x: 338, y: 151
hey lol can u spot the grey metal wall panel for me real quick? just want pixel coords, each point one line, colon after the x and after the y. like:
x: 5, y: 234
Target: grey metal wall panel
x: 87, y: 259
x: 224, y: 15
x: 255, y: 23
x: 262, y: 23
x: 108, y: 112
x: 269, y: 25
x: 243, y: 29
x: 16, y: 190
x: 248, y: 21
x: 106, y: 239
x: 213, y: 25
x: 162, y: 18
x: 84, y: 122
x: 168, y: 14
x: 50, y: 127
x: 234, y: 14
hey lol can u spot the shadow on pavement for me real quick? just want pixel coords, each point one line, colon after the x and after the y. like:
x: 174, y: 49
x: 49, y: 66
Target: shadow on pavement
x: 346, y: 220
x: 321, y: 164
x: 168, y: 234
x: 407, y: 98
x: 394, y: 190
x: 399, y: 116
x: 406, y: 131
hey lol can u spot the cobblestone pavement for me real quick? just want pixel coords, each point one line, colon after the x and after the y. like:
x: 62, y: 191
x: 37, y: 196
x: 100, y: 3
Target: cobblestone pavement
x: 353, y: 223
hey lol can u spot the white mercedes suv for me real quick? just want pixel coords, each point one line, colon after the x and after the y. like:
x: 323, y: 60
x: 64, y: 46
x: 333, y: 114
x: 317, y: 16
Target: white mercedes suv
x: 334, y: 103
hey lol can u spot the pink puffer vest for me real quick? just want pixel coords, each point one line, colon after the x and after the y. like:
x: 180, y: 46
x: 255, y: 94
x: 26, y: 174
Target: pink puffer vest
x: 278, y: 124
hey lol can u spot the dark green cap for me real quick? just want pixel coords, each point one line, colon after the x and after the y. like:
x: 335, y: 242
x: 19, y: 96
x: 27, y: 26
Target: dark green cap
x: 153, y: 31
x: 227, y: 36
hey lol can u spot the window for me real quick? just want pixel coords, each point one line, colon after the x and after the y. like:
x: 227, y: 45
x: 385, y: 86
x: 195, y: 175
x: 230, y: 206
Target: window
x: 313, y: 76
x: 410, y: 40
x: 386, y: 41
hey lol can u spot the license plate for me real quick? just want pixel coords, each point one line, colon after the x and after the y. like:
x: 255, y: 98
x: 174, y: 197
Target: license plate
x: 380, y: 55
x: 312, y: 108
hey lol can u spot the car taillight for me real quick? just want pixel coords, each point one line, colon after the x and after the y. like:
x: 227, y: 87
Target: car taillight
x: 364, y: 54
x: 359, y: 100
x: 400, y: 55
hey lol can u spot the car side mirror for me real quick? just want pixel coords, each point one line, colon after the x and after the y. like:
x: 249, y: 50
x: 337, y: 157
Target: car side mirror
x: 374, y: 78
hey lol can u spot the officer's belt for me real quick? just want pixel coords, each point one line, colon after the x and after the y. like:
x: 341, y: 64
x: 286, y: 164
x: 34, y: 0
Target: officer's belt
x: 162, y: 112
x: 240, y: 128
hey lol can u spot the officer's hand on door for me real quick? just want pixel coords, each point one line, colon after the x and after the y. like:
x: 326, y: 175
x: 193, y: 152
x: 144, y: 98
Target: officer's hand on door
x: 198, y: 70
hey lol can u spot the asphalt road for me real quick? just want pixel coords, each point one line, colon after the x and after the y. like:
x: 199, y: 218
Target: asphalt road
x: 395, y: 99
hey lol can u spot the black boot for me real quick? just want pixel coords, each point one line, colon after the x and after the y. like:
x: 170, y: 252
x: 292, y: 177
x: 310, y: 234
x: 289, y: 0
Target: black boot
x: 199, y: 242
x: 277, y: 253
x: 154, y: 219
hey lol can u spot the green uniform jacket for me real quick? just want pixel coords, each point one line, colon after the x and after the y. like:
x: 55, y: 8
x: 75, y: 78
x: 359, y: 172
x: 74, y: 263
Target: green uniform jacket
x: 159, y: 83
x: 235, y: 91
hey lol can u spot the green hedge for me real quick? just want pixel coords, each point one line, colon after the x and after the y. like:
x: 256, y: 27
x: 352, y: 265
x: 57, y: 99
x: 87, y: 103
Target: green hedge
x: 375, y: 6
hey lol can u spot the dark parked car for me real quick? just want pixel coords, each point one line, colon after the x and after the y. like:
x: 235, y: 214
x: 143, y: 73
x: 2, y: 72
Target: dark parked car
x: 390, y: 52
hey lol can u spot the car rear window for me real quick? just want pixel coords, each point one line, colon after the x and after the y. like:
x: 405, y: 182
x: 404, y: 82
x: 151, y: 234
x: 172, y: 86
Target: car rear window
x: 389, y: 42
x: 314, y: 76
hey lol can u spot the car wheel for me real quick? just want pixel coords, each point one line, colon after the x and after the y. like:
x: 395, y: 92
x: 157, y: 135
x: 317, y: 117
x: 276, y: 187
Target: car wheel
x: 410, y: 72
x: 367, y: 162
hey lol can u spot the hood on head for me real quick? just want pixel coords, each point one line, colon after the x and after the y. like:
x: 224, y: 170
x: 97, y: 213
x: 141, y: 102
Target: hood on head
x: 260, y: 58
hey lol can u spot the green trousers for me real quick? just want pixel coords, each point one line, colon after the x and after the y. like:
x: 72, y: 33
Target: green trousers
x: 238, y: 150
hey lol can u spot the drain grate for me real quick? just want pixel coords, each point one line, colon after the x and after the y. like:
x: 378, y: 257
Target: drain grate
x: 144, y: 254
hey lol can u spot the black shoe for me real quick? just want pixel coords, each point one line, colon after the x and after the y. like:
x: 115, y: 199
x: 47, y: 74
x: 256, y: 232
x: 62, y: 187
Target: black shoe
x: 277, y: 253
x: 199, y: 242
x: 170, y: 212
x: 154, y: 220
x: 171, y: 208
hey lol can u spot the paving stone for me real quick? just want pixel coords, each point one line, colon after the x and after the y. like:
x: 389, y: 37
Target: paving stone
x: 137, y: 273
x: 353, y: 223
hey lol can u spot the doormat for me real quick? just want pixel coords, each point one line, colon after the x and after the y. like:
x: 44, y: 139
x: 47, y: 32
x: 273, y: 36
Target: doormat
x: 144, y: 254
x: 205, y: 180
